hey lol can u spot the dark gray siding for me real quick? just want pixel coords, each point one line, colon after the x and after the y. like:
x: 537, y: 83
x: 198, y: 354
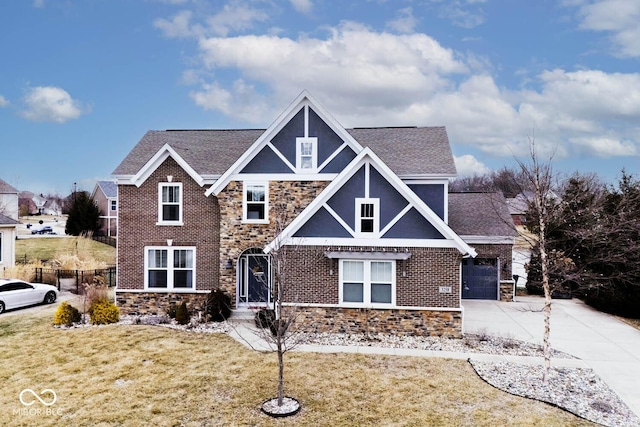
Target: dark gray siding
x: 328, y: 140
x: 432, y: 195
x: 343, y: 202
x: 322, y: 224
x: 413, y: 226
x: 340, y: 162
x: 285, y: 140
x: 266, y: 161
x: 391, y: 202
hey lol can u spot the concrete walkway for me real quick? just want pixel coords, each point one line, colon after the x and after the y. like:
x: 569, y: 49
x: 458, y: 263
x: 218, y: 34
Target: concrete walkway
x: 607, y: 345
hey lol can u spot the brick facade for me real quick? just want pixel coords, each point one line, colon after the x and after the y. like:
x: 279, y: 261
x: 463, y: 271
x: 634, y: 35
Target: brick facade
x: 313, y: 278
x: 138, y: 215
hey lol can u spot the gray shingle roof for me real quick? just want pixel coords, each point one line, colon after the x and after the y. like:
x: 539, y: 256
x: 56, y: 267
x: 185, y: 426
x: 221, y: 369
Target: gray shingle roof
x: 411, y: 150
x: 109, y: 188
x: 480, y: 214
x: 407, y: 151
x: 5, y: 188
x: 5, y: 220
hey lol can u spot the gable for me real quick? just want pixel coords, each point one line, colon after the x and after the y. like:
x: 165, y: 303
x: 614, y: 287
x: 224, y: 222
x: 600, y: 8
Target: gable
x: 278, y: 150
x: 404, y: 219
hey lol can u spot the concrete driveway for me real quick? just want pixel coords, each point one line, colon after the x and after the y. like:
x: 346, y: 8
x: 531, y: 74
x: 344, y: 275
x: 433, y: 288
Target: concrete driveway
x: 607, y: 345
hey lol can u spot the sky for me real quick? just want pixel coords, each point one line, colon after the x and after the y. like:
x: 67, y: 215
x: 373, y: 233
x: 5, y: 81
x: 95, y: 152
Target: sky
x: 81, y: 81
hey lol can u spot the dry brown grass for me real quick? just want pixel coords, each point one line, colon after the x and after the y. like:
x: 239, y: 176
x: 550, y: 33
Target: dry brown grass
x: 633, y: 322
x: 143, y: 375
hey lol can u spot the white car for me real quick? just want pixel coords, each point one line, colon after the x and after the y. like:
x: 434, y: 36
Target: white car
x: 18, y: 293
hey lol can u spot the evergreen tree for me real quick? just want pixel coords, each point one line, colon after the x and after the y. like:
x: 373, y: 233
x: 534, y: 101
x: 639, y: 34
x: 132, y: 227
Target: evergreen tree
x: 84, y: 215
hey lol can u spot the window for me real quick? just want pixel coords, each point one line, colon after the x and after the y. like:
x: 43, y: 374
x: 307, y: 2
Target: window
x: 169, y: 268
x: 307, y: 153
x: 114, y: 205
x: 367, y: 217
x: 255, y: 206
x: 367, y: 283
x: 170, y: 203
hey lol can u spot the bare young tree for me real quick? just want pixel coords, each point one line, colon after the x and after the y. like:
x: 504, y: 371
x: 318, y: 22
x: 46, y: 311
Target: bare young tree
x: 281, y: 332
x: 540, y: 176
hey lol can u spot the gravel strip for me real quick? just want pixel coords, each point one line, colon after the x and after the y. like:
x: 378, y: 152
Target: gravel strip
x: 577, y: 390
x: 471, y: 343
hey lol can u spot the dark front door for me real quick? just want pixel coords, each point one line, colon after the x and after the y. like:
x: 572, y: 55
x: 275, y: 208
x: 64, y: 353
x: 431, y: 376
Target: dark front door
x: 254, y: 278
x: 480, y: 278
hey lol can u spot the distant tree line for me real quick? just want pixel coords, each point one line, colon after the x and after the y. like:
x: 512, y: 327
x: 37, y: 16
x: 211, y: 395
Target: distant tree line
x: 592, y: 236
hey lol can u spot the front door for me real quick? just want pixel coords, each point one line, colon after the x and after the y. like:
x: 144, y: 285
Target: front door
x: 480, y: 278
x: 254, y: 278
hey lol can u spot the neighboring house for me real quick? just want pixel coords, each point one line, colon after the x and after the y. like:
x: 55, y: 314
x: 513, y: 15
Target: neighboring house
x: 105, y: 195
x: 8, y: 200
x: 367, y: 234
x: 8, y: 225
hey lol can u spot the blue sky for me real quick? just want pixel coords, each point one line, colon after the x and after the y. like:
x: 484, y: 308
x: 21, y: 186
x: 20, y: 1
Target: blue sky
x: 82, y: 81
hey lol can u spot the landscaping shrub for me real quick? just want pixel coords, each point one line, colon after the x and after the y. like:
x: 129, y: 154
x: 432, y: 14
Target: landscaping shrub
x: 218, y: 306
x: 182, y: 314
x: 264, y: 318
x: 103, y: 312
x: 171, y: 311
x: 66, y: 315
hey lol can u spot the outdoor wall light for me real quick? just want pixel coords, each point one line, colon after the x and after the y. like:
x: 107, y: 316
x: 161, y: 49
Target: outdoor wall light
x: 229, y: 264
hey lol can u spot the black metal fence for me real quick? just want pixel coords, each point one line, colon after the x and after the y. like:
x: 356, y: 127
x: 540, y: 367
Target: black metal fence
x: 72, y: 280
x: 111, y: 241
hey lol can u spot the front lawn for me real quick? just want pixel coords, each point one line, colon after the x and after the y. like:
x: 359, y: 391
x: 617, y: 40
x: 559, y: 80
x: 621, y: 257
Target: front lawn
x: 47, y: 248
x: 128, y: 375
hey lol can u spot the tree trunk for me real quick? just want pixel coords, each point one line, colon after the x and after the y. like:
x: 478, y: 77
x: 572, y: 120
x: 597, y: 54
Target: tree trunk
x: 546, y: 345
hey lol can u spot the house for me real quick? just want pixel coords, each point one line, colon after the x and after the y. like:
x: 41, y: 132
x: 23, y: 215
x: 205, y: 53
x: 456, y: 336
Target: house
x: 8, y: 225
x: 362, y: 215
x: 105, y: 195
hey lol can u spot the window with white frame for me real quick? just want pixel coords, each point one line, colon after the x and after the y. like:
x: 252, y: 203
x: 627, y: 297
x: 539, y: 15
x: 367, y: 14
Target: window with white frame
x: 169, y: 268
x: 114, y: 205
x: 367, y: 283
x: 170, y: 203
x: 367, y: 217
x: 255, y: 202
x: 1, y: 249
x: 307, y: 153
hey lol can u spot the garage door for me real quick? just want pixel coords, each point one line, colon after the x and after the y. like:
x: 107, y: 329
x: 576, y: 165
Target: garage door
x: 480, y: 278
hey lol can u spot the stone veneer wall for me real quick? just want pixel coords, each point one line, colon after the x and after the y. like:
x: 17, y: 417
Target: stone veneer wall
x: 138, y: 215
x: 505, y: 254
x: 370, y: 321
x: 157, y: 303
x: 314, y: 279
x: 286, y: 200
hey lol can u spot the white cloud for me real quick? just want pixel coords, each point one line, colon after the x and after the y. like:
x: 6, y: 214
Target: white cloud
x: 4, y: 102
x: 302, y: 6
x: 619, y: 18
x: 179, y: 26
x: 369, y: 78
x: 467, y: 165
x: 352, y: 63
x: 404, y: 22
x: 234, y: 16
x: 462, y: 13
x: 39, y: 4
x: 50, y: 104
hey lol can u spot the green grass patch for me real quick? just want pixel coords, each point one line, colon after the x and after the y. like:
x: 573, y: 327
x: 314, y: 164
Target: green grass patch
x: 46, y: 249
x: 120, y: 375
